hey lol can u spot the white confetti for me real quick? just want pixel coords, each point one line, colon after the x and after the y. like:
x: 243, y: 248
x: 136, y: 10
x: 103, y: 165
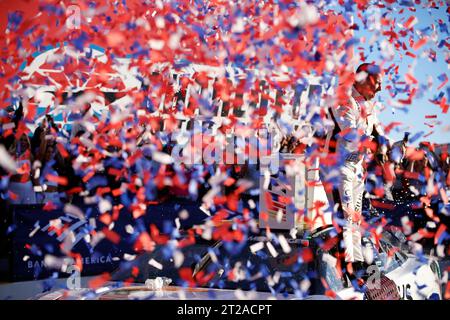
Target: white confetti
x: 40, y: 188
x: 256, y: 247
x: 101, y: 290
x: 238, y: 26
x: 279, y: 215
x: 407, y: 230
x: 32, y: 233
x: 6, y: 161
x: 305, y: 15
x: 104, y: 206
x: 57, y: 263
x: 156, y: 44
x: 272, y: 250
x: 37, y: 173
x: 160, y: 23
x: 129, y: 229
x: 213, y: 256
x: 8, y: 126
x: 74, y: 211
x: 178, y: 259
x: 97, y: 238
x: 155, y: 264
x: 431, y: 224
x: 304, y: 285
x: 87, y: 143
x: 361, y: 76
x: 276, y: 277
x: 367, y: 252
x: 162, y: 157
x: 440, y: 251
x: 207, y: 233
x: 184, y: 214
x: 129, y: 257
x: 174, y: 41
x: 293, y: 233
x: 205, y: 210
x: 284, y: 244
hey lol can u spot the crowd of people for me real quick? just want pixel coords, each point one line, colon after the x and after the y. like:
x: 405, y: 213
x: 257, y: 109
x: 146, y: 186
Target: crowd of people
x: 424, y: 175
x: 44, y: 173
x: 38, y: 162
x: 57, y: 165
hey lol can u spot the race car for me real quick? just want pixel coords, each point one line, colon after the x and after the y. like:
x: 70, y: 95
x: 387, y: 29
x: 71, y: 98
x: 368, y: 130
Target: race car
x: 305, y: 269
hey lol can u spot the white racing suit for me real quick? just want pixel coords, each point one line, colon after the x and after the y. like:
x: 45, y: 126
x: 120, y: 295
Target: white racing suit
x: 355, y: 120
x: 351, y: 191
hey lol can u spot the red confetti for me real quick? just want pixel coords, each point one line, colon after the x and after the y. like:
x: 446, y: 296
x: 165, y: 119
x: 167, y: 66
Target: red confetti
x: 99, y: 281
x: 439, y: 232
x: 56, y: 179
x: 410, y: 22
x: 419, y: 44
x: 111, y: 235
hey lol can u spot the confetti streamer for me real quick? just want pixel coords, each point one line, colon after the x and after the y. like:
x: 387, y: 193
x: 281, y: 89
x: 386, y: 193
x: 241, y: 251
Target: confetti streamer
x: 134, y: 97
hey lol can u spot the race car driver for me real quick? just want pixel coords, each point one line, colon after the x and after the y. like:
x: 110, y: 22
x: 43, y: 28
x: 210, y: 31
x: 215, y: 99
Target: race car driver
x: 356, y: 123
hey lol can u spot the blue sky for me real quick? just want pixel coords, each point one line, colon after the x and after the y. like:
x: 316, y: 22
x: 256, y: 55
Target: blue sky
x: 412, y: 116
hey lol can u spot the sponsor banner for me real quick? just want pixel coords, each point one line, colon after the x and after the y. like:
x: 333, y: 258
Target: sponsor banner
x: 50, y: 243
